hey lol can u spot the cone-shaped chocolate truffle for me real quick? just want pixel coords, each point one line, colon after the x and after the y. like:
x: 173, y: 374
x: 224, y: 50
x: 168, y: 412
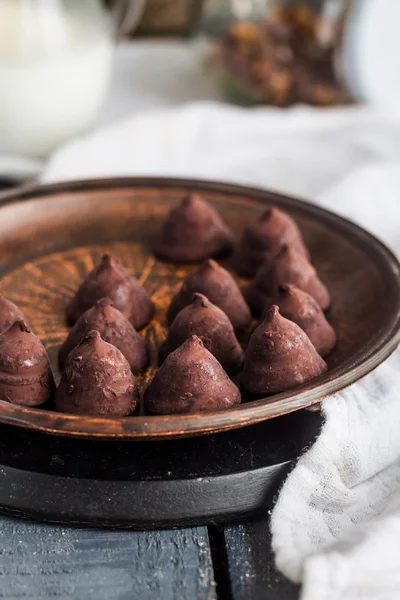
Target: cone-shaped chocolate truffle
x: 279, y: 357
x: 9, y: 313
x: 192, y: 232
x: 218, y: 285
x: 263, y: 238
x: 114, y: 328
x: 97, y: 380
x: 288, y: 267
x: 190, y: 380
x: 212, y: 326
x: 112, y: 280
x: 302, y: 309
x: 25, y: 374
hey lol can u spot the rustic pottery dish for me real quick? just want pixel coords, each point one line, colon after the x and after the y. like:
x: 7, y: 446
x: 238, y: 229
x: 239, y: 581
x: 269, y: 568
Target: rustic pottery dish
x: 51, y: 236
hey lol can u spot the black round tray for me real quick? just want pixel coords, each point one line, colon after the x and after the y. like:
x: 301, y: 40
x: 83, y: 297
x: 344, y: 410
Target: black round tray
x: 143, y: 485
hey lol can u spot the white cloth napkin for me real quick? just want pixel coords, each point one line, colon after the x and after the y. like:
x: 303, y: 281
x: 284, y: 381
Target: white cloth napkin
x: 336, y: 525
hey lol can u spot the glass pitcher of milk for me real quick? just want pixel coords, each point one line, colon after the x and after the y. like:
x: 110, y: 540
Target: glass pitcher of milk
x: 55, y: 63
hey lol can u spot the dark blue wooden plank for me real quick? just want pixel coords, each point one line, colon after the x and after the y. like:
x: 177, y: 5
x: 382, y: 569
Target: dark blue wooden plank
x: 249, y: 561
x: 49, y: 561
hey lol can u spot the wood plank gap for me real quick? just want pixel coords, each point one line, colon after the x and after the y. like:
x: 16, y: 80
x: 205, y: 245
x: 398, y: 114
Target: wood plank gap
x: 219, y: 560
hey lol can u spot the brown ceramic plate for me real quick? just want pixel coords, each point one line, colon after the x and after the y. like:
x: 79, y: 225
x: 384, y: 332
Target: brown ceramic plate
x: 51, y: 236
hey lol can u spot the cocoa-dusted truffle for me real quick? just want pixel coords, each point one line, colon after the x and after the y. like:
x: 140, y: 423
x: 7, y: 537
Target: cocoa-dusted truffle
x: 263, y: 238
x: 192, y: 232
x: 97, y: 380
x: 25, y: 374
x: 9, y: 313
x: 190, y: 380
x: 288, y: 267
x: 212, y: 326
x: 112, y: 280
x: 114, y: 328
x: 302, y: 309
x: 218, y: 285
x: 279, y: 357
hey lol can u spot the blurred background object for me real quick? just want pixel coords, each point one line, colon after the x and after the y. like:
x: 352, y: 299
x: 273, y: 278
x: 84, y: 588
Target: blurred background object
x: 279, y: 52
x: 55, y: 63
x: 218, y: 14
x: 171, y: 17
x: 129, y: 14
x: 319, y: 52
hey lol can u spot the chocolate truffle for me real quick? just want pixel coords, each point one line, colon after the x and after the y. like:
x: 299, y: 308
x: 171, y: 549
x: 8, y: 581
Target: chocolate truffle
x: 114, y: 328
x: 302, y: 309
x: 25, y: 374
x: 212, y: 326
x: 97, y: 380
x: 112, y: 280
x: 9, y: 313
x: 218, y: 285
x: 279, y: 357
x: 263, y: 238
x: 190, y: 380
x: 288, y: 267
x: 192, y: 232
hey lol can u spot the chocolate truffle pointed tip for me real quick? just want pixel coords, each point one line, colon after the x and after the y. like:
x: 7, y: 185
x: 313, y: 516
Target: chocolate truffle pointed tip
x: 21, y: 325
x: 91, y: 336
x: 200, y: 300
x: 9, y: 314
x: 286, y: 288
x: 267, y: 214
x: 209, y: 264
x: 194, y: 340
x: 106, y: 262
x: 191, y: 199
x: 271, y: 314
x: 104, y: 302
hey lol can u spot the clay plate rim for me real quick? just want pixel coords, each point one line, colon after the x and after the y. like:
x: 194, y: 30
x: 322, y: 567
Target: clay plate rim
x: 173, y: 426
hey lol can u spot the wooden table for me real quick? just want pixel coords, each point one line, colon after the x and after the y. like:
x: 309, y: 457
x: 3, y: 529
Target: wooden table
x: 47, y: 561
